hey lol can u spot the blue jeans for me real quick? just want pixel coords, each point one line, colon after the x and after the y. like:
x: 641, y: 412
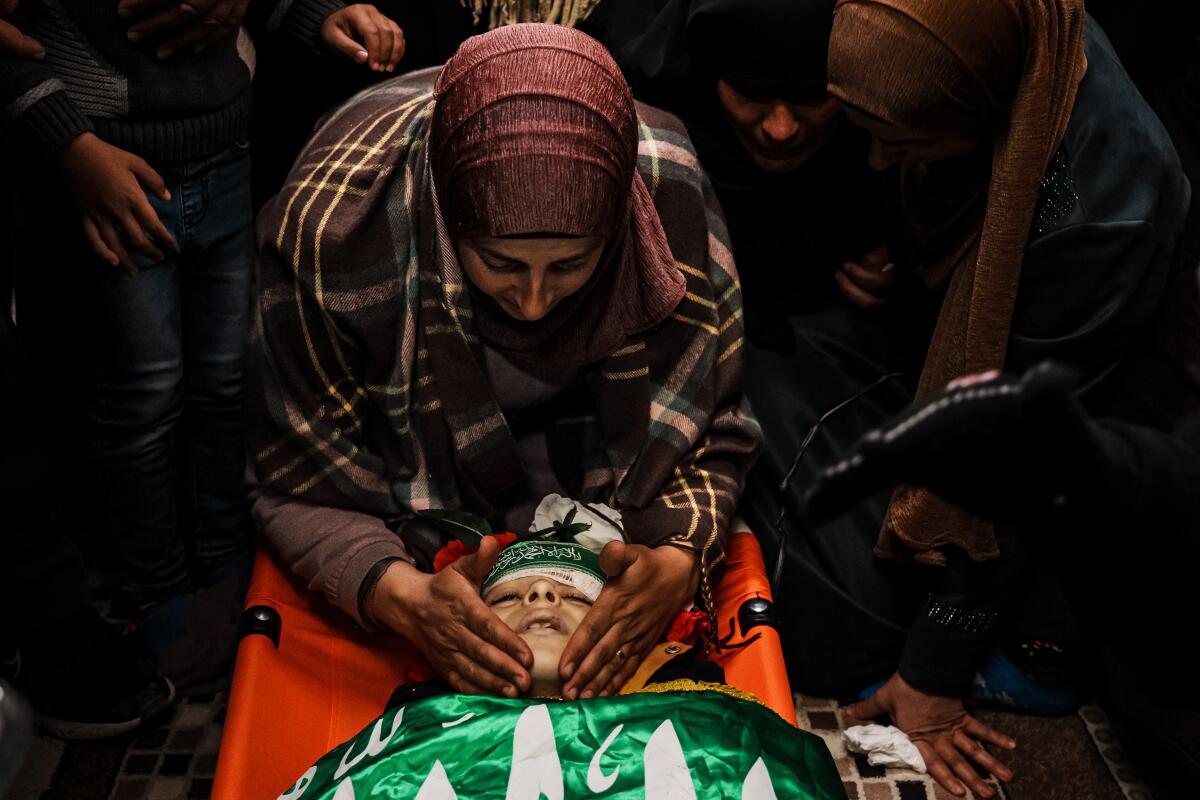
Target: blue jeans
x: 166, y: 367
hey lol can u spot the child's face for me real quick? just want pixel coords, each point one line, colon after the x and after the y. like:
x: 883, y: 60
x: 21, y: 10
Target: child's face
x: 544, y: 613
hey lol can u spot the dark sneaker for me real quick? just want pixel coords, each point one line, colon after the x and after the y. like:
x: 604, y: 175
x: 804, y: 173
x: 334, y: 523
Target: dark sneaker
x: 1030, y: 677
x: 88, y: 681
x: 199, y: 659
x: 16, y: 733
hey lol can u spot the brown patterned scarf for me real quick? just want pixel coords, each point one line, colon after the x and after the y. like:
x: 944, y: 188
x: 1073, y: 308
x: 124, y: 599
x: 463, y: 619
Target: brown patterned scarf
x: 1005, y: 70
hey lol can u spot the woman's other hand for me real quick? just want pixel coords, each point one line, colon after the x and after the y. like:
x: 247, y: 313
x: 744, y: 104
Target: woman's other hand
x: 871, y: 283
x: 445, y: 617
x: 646, y: 590
x: 365, y: 36
x: 109, y: 186
x: 943, y: 731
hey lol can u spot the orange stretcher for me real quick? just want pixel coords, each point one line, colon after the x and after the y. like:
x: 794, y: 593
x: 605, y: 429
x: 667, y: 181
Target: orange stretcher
x: 307, y: 680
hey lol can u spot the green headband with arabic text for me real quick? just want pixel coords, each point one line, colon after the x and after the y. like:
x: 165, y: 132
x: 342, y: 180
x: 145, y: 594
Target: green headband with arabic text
x: 565, y: 562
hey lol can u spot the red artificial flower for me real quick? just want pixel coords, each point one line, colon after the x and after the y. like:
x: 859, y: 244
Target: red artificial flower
x: 688, y: 627
x: 420, y: 672
x: 458, y: 548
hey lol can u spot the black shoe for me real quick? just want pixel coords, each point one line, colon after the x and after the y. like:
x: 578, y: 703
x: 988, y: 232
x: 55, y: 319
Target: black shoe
x: 16, y: 732
x: 199, y: 660
x: 87, y: 680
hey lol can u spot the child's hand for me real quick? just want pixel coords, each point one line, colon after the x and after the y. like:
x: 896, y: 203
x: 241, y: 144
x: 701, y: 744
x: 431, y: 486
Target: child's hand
x: 109, y: 185
x: 188, y: 25
x: 871, y: 283
x: 13, y: 43
x: 364, y: 35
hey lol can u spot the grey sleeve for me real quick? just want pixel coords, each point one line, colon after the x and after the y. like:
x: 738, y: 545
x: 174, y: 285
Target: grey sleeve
x: 302, y: 19
x: 36, y: 107
x: 335, y: 550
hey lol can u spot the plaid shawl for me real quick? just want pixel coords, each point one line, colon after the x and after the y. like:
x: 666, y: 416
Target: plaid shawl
x: 365, y: 384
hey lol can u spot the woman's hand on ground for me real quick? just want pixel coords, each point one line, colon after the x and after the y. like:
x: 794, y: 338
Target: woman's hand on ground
x: 13, y: 43
x: 646, y: 589
x: 943, y: 731
x: 871, y: 283
x: 190, y: 24
x: 365, y: 36
x: 445, y: 617
x: 109, y: 186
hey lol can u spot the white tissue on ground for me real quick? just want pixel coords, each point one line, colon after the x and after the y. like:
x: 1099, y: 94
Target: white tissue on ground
x: 884, y: 746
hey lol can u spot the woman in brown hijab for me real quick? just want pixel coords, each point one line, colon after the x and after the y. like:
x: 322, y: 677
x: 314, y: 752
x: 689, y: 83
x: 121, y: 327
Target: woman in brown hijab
x: 482, y: 285
x: 1041, y: 204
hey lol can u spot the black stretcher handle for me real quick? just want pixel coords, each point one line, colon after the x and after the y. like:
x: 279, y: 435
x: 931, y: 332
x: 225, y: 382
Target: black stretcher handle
x: 262, y: 620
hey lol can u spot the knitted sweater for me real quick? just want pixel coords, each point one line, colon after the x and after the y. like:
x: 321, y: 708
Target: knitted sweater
x: 94, y: 79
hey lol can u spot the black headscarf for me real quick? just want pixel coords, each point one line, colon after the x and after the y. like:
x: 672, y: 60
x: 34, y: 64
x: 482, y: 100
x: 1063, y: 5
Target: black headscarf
x: 790, y: 231
x: 777, y: 45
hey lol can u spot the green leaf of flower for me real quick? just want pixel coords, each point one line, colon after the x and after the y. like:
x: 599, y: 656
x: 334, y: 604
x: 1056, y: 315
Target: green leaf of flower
x: 570, y: 531
x: 562, y: 530
x: 462, y: 525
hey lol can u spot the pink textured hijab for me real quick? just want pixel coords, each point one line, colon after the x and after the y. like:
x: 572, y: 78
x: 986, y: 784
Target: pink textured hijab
x: 535, y: 132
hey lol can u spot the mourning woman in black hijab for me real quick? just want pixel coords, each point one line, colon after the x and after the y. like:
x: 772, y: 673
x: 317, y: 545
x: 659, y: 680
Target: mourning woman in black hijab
x: 804, y: 211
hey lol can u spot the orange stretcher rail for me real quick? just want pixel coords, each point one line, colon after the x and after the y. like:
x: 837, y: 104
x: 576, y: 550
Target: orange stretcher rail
x: 311, y: 680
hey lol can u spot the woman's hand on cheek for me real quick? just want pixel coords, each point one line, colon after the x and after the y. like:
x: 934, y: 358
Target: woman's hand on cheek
x: 646, y: 589
x: 443, y: 615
